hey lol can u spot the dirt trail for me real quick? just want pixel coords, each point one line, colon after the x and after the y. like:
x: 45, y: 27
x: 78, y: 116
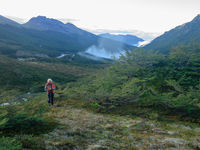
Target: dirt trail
x: 82, y: 129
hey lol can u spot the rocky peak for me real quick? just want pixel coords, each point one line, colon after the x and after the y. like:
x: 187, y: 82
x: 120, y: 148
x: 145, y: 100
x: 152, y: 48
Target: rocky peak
x: 45, y: 20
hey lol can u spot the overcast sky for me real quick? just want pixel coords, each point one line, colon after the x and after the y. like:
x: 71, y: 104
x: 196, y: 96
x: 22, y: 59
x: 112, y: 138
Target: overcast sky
x: 144, y: 15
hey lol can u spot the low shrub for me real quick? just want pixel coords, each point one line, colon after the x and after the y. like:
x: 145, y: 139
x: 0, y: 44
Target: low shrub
x: 22, y: 123
x: 7, y: 143
x: 146, y: 79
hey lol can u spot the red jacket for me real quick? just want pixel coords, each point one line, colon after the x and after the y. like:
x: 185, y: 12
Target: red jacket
x: 50, y: 87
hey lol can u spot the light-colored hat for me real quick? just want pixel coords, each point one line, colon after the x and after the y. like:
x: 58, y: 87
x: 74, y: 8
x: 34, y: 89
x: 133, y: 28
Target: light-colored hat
x: 49, y: 80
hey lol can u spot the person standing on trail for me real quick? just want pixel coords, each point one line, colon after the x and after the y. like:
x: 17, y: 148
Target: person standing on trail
x: 50, y: 87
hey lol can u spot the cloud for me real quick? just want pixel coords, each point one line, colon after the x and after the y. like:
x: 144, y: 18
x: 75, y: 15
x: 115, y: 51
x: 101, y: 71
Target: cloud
x: 103, y: 53
x: 65, y: 20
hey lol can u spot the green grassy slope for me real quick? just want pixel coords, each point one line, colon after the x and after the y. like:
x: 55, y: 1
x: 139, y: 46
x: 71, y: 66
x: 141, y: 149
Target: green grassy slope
x: 26, y: 75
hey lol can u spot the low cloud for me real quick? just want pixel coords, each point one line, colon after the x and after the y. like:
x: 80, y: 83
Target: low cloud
x: 65, y: 20
x: 103, y: 53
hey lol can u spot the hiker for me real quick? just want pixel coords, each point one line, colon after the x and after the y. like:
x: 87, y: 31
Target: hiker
x: 50, y: 87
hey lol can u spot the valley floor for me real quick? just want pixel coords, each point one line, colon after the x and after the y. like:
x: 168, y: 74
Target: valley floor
x: 81, y: 129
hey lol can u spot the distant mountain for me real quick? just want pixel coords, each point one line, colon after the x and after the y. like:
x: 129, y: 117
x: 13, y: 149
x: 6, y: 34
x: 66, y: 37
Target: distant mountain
x: 181, y: 35
x: 147, y: 36
x: 128, y: 39
x: 42, y: 36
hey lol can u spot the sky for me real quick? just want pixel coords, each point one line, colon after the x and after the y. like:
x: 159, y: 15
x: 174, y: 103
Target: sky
x: 149, y: 16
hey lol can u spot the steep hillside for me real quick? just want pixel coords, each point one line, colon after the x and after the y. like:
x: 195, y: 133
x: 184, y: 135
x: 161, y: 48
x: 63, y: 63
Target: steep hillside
x: 182, y: 35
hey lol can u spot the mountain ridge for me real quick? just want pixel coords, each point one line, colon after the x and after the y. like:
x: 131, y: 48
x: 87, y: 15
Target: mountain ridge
x: 181, y: 35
